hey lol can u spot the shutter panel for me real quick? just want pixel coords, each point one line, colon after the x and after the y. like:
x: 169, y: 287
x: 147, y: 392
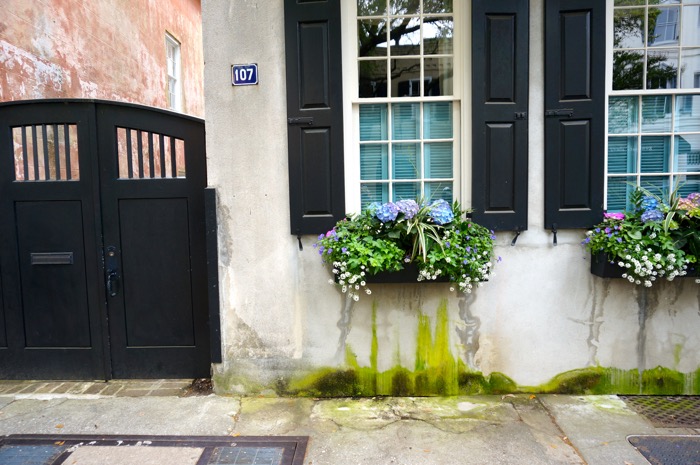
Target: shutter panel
x: 499, y: 113
x: 314, y: 110
x: 574, y: 112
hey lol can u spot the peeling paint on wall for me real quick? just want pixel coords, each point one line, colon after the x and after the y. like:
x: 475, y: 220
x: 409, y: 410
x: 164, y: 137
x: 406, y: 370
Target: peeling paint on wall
x: 100, y: 49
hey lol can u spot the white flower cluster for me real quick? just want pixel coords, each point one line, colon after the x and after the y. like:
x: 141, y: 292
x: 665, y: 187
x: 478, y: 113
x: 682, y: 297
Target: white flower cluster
x: 350, y: 283
x: 645, y: 268
x: 466, y: 284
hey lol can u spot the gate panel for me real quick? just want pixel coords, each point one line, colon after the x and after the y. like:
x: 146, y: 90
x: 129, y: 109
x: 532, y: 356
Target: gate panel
x: 157, y: 284
x: 52, y: 274
x: 53, y: 315
x: 152, y: 177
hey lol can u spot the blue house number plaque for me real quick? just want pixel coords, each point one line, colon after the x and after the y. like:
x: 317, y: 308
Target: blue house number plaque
x: 244, y: 75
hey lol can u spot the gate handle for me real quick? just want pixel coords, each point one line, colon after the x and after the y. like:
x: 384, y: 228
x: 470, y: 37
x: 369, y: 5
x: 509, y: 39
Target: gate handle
x: 112, y: 283
x: 112, y: 265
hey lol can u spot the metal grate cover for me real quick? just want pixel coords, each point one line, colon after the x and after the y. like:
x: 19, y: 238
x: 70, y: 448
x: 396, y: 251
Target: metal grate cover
x: 214, y: 450
x: 667, y: 411
x: 668, y: 450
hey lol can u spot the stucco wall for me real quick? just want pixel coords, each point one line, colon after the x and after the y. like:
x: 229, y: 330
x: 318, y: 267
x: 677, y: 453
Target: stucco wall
x: 104, y: 49
x: 284, y: 328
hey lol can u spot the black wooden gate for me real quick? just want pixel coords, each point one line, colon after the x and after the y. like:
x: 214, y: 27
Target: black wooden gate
x: 103, y: 269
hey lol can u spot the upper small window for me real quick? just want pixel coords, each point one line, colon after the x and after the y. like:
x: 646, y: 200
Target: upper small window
x: 172, y: 48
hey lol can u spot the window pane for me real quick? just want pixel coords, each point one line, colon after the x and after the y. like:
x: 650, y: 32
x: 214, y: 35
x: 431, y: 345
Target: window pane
x: 657, y: 185
x: 405, y: 78
x: 405, y: 36
x: 403, y: 7
x: 619, y: 190
x: 438, y: 160
x: 629, y: 28
x: 437, y: 122
x: 374, y: 162
x: 439, y: 190
x: 687, y: 153
x: 622, y: 155
x: 406, y: 191
x: 690, y: 67
x: 405, y: 121
x: 623, y: 115
x: 656, y: 151
x: 373, y: 193
x: 437, y: 6
x: 656, y: 113
x: 406, y: 160
x: 688, y: 185
x: 628, y: 69
x: 438, y: 76
x: 373, y: 78
x: 662, y: 69
x: 691, y: 25
x: 687, y: 113
x: 629, y: 2
x: 373, y: 122
x: 371, y: 36
x: 371, y: 7
x: 664, y: 26
x: 438, y: 36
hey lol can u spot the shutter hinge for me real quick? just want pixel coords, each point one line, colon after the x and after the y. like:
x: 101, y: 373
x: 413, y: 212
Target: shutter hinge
x: 520, y: 115
x: 568, y: 112
x: 301, y: 120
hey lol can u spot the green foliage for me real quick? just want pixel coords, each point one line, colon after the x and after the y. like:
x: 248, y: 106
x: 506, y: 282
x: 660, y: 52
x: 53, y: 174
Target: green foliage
x: 656, y: 239
x: 440, y: 239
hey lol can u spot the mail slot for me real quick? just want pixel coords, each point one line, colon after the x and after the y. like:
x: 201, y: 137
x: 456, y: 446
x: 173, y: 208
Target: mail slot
x: 52, y: 258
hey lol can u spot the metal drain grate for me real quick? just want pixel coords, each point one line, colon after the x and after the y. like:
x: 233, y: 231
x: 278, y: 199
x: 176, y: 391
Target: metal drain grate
x: 668, y: 450
x: 667, y: 411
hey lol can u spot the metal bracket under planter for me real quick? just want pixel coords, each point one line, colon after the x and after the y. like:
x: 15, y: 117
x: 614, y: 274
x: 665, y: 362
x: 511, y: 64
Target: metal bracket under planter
x: 409, y: 274
x: 602, y: 266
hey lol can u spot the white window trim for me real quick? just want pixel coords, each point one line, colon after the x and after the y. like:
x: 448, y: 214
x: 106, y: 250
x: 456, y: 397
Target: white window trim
x: 609, y: 92
x: 172, y: 42
x: 461, y: 99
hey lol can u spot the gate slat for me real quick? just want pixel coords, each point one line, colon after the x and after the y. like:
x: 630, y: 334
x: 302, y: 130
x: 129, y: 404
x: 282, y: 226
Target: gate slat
x: 45, y: 136
x: 25, y: 155
x: 162, y: 156
x: 151, y: 168
x: 35, y: 150
x: 66, y: 136
x: 139, y: 143
x: 56, y: 155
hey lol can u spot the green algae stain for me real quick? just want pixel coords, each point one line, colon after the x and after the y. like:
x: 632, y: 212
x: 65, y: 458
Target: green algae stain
x: 439, y: 373
x: 436, y: 371
x: 375, y: 343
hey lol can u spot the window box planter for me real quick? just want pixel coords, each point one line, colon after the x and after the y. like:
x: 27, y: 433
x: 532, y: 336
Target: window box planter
x: 602, y: 266
x: 409, y: 274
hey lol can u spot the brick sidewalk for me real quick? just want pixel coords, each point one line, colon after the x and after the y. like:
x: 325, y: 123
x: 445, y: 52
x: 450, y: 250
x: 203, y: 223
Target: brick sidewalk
x: 118, y: 388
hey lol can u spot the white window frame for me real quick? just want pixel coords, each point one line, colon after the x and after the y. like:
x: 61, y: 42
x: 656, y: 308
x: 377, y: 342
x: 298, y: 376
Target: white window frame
x: 173, y: 71
x: 460, y: 98
x: 609, y: 92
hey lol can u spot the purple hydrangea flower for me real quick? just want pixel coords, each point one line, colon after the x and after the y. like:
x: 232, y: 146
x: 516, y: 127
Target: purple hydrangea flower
x: 387, y: 212
x: 652, y: 215
x: 409, y: 208
x: 441, y: 212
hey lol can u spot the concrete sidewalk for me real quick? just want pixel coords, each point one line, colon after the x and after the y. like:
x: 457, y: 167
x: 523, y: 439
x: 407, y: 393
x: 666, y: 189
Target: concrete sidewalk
x: 520, y: 429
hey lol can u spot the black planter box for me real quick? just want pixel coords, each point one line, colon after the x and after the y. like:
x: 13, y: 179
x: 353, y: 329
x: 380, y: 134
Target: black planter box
x: 409, y: 274
x: 602, y: 266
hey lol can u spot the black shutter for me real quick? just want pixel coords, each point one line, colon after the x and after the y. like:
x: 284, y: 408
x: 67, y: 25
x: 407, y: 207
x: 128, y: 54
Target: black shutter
x: 315, y: 117
x: 499, y: 113
x: 574, y: 112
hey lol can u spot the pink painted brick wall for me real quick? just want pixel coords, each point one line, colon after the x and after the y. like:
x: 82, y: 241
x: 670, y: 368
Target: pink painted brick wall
x: 104, y: 49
